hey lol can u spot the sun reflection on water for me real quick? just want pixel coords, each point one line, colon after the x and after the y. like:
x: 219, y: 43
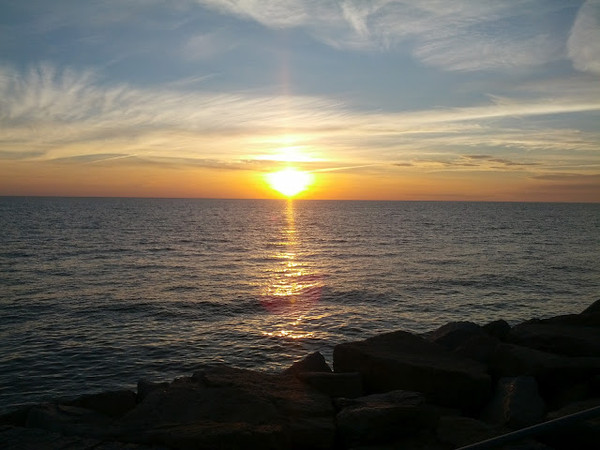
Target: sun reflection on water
x: 293, y: 287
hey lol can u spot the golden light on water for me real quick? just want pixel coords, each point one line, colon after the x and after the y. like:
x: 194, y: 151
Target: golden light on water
x: 293, y: 286
x: 290, y: 182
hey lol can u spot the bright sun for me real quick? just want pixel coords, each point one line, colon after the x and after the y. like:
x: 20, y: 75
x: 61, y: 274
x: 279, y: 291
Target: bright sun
x: 289, y: 182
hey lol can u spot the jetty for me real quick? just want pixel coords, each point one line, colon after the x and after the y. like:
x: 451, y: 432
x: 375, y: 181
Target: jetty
x: 533, y: 385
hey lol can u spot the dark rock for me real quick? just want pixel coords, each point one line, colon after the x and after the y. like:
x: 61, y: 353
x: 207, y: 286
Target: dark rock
x: 478, y: 348
x: 315, y: 362
x: 144, y: 387
x: 593, y: 308
x: 69, y: 420
x: 579, y: 320
x: 516, y: 403
x: 554, y: 373
x: 401, y: 360
x: 527, y: 444
x: 580, y: 435
x: 110, y: 403
x: 235, y: 408
x: 459, y: 431
x: 498, y: 329
x: 20, y: 438
x: 335, y: 384
x: 569, y: 340
x: 383, y: 418
x: 18, y: 417
x: 454, y: 334
x: 589, y: 317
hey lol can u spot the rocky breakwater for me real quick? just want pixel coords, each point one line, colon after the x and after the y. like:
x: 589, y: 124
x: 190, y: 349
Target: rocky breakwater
x: 456, y: 385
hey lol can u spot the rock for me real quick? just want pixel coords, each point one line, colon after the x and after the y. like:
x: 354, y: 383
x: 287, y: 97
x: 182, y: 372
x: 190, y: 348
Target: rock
x: 581, y: 435
x: 144, y: 387
x: 401, y: 360
x: 18, y: 417
x: 335, y: 384
x: 315, y: 362
x: 516, y: 403
x: 235, y: 408
x: 498, y: 329
x: 110, y: 403
x: 569, y: 340
x: 554, y: 373
x: 454, y: 334
x: 593, y: 308
x: 383, y: 418
x: 69, y: 420
x: 20, y: 438
x: 478, y: 348
x: 527, y: 444
x: 460, y: 431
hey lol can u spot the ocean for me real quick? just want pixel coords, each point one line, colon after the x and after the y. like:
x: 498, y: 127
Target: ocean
x: 96, y: 293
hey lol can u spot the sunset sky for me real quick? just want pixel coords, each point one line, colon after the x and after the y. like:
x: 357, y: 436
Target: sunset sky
x: 382, y: 99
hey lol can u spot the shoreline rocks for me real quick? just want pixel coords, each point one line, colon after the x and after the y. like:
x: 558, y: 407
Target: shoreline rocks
x: 457, y: 385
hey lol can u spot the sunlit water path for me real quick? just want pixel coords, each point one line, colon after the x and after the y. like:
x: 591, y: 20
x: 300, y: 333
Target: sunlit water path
x: 97, y: 293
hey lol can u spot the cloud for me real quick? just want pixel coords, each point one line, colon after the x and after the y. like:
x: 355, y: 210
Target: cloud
x: 48, y: 113
x: 496, y: 160
x: 462, y: 35
x: 584, y: 41
x: 206, y: 45
x: 458, y: 35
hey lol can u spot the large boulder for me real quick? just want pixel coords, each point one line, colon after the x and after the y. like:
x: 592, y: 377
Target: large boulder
x: 21, y: 438
x: 383, y: 418
x: 458, y: 431
x: 314, y: 362
x: 110, y: 403
x: 478, y: 348
x: 347, y: 385
x: 144, y: 387
x: 516, y: 403
x: 401, y: 360
x: 556, y: 375
x: 560, y: 338
x: 233, y: 408
x: 584, y: 435
x: 498, y: 329
x: 454, y: 334
x: 68, y: 420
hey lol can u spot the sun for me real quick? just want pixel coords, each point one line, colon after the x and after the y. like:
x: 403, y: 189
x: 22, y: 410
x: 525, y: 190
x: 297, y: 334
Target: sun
x: 289, y: 182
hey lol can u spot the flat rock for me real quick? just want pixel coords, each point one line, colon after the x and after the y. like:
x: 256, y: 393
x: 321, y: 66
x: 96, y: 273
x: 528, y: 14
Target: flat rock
x: 563, y: 339
x: 401, y: 360
x: 20, y: 438
x: 233, y: 407
x: 478, y: 348
x: 459, y: 431
x: 454, y: 334
x: 383, y: 418
x: 68, y: 420
x: 347, y: 385
x: 110, y: 403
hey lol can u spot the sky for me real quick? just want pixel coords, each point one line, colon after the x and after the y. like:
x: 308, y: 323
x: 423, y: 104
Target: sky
x: 487, y: 100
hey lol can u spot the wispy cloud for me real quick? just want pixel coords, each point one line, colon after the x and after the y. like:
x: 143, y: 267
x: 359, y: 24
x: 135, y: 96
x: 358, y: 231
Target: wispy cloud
x: 460, y: 35
x: 584, y: 41
x: 48, y: 113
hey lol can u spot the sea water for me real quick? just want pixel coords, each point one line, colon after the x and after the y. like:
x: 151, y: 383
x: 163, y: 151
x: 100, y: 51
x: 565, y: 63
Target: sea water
x: 98, y: 293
